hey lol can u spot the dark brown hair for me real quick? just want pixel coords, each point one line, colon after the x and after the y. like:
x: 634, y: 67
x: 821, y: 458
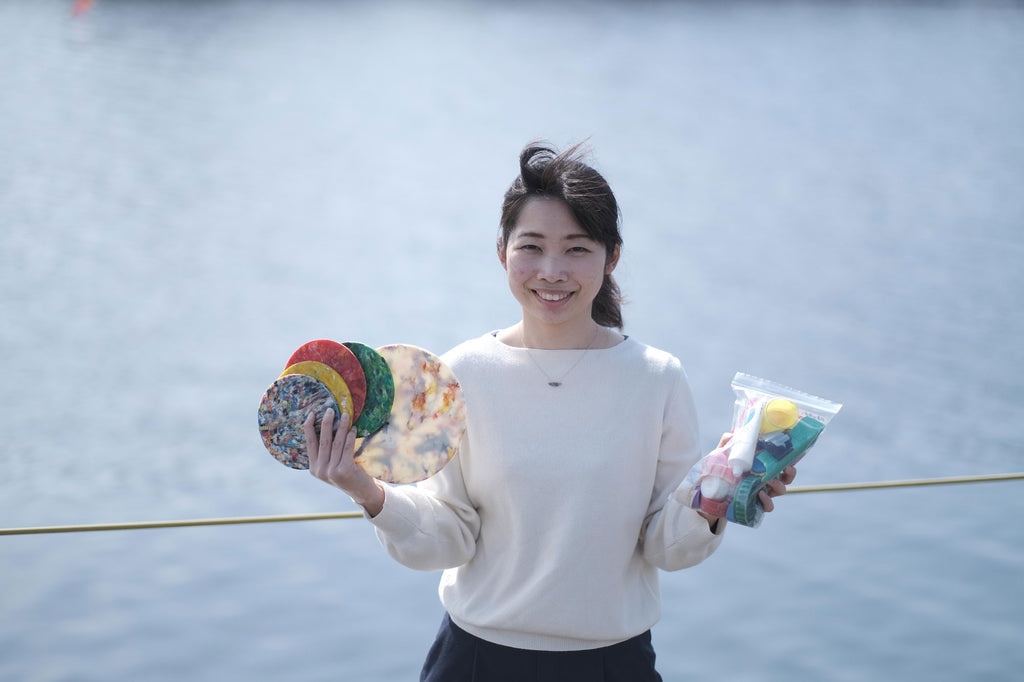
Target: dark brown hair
x: 544, y: 172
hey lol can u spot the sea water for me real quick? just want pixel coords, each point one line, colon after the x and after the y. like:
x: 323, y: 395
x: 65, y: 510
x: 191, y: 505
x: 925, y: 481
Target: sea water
x: 823, y: 194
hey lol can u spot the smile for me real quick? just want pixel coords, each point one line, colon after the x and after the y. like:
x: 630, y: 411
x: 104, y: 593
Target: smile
x: 554, y: 297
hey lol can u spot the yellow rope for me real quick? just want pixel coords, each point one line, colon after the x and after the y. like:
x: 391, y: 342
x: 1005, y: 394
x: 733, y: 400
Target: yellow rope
x: 179, y: 524
x: 836, y: 487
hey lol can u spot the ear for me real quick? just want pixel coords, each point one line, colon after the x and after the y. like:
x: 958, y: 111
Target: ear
x: 501, y: 254
x: 613, y: 260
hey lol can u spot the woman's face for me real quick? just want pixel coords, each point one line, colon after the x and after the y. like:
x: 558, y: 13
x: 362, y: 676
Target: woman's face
x: 554, y: 269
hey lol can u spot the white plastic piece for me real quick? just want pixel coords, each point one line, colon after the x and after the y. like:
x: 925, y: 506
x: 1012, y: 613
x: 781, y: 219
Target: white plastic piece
x: 744, y: 440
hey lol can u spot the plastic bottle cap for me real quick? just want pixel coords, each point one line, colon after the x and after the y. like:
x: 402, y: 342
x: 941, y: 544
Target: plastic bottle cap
x: 779, y: 415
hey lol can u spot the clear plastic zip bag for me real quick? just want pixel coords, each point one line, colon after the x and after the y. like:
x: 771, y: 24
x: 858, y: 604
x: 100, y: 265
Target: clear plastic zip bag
x: 773, y: 427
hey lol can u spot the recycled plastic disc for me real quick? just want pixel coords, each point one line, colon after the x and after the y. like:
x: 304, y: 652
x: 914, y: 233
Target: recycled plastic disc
x: 341, y: 360
x: 284, y: 408
x: 426, y: 423
x: 329, y: 378
x: 380, y: 389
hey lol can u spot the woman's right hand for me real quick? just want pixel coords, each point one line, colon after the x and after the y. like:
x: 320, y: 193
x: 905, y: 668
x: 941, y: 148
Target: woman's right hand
x: 332, y: 460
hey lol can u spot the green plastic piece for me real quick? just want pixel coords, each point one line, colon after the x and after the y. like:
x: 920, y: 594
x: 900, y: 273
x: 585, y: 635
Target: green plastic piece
x: 746, y: 508
x: 380, y: 389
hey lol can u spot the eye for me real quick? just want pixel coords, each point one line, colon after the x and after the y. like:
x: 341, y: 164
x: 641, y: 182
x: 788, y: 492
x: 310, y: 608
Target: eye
x: 579, y: 249
x: 528, y: 247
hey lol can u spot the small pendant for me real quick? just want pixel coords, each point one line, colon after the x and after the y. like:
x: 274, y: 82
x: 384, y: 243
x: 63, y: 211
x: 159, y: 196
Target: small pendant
x: 554, y: 384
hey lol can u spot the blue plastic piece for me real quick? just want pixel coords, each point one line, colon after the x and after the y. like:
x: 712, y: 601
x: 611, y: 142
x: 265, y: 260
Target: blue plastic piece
x: 778, y: 444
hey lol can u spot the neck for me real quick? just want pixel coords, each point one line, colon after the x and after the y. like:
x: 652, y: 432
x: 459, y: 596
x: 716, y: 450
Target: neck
x: 529, y: 336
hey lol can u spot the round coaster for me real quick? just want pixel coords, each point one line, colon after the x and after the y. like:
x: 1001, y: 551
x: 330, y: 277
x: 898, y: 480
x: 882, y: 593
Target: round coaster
x: 380, y: 389
x: 341, y: 360
x: 426, y: 423
x: 329, y: 378
x: 284, y: 408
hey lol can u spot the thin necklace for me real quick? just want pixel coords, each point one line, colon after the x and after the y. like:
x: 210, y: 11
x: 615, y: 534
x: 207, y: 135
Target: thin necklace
x: 555, y: 382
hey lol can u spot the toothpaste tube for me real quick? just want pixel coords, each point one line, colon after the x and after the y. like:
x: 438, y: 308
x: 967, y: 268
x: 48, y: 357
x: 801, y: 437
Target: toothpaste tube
x: 743, y: 446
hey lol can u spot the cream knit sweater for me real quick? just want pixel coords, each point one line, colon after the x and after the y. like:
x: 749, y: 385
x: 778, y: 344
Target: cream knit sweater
x: 562, y: 503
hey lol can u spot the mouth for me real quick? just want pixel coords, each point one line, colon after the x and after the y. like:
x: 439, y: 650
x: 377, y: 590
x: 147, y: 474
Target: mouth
x: 552, y: 296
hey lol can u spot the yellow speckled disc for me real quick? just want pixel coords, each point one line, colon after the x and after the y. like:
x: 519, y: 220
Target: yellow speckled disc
x: 329, y: 378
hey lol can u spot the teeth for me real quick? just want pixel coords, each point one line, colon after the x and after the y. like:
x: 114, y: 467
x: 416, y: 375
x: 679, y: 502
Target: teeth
x: 552, y: 297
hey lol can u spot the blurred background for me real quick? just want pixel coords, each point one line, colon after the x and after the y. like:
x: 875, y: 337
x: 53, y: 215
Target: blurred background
x: 824, y: 194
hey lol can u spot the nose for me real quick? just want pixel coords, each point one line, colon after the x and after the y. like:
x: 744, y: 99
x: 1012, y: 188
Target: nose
x: 552, y: 269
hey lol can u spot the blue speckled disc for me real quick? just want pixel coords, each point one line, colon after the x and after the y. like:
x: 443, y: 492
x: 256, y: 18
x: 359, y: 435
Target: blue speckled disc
x: 284, y: 408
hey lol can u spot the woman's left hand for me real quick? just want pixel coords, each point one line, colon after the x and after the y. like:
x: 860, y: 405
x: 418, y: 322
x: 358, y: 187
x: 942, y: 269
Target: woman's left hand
x: 776, y: 487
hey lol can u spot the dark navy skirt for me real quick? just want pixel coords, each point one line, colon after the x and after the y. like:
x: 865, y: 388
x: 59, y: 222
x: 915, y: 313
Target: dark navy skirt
x: 458, y: 656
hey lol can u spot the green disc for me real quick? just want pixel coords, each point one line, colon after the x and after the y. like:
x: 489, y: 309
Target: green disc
x: 380, y: 389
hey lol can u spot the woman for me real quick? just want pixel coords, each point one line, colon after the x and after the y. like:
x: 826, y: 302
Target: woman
x: 568, y: 490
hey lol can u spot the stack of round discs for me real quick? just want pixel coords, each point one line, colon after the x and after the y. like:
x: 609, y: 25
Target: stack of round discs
x: 405, y: 405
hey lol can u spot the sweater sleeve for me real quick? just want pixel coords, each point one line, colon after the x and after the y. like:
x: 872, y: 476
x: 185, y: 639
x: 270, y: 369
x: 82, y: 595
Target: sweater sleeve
x: 675, y: 536
x: 432, y: 525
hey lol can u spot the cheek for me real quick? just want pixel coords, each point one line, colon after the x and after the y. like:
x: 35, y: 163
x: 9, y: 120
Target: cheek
x: 599, y: 270
x: 516, y: 269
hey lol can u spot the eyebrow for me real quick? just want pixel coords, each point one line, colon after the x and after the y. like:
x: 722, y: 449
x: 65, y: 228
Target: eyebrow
x: 538, y: 235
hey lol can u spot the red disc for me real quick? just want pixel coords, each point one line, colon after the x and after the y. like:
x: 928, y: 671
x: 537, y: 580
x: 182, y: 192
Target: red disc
x: 341, y: 360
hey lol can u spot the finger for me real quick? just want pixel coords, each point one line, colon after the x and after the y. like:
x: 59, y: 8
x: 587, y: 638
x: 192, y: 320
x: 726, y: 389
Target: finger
x: 350, y: 442
x: 726, y: 437
x: 323, y: 453
x: 338, y: 446
x: 327, y: 435
x: 766, y: 500
x: 312, y: 442
x: 775, y: 488
x: 788, y: 474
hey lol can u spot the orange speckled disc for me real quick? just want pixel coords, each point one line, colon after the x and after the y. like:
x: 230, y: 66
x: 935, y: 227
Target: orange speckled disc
x: 329, y: 378
x: 426, y: 423
x: 341, y: 360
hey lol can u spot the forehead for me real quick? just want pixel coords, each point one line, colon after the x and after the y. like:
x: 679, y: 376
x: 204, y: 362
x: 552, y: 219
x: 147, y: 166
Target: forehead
x: 543, y: 218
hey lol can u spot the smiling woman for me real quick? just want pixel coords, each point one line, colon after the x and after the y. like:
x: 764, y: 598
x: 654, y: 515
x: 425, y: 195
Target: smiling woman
x: 555, y: 271
x: 584, y: 210
x: 528, y: 586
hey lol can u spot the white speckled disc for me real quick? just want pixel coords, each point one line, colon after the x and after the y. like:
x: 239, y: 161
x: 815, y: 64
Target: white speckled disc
x: 426, y: 423
x: 284, y: 408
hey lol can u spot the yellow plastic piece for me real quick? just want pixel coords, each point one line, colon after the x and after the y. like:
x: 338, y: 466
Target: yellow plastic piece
x: 329, y: 378
x: 779, y: 415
